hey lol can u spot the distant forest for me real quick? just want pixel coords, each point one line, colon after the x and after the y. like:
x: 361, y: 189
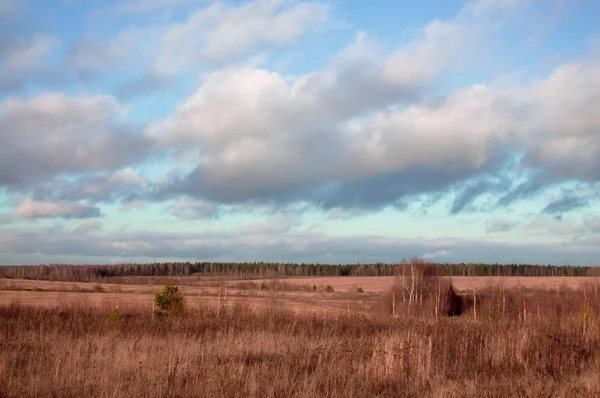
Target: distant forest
x: 260, y: 270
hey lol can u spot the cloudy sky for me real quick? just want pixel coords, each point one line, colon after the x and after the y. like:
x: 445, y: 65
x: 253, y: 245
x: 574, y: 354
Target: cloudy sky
x: 299, y: 130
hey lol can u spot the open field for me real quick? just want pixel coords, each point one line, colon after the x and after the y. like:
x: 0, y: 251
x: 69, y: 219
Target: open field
x: 295, y: 294
x: 270, y: 352
x: 461, y: 283
x: 139, y: 298
x: 374, y: 284
x: 280, y: 337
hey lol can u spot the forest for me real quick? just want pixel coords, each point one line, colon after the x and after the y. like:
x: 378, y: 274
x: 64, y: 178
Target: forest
x: 261, y: 270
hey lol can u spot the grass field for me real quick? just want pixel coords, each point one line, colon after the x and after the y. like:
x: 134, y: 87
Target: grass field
x: 273, y: 338
x: 461, y: 283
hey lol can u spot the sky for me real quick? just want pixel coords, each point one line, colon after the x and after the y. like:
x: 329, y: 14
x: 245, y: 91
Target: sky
x: 300, y: 131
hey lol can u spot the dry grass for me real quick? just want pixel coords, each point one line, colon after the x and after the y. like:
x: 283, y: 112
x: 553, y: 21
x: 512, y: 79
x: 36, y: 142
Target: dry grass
x: 241, y: 341
x: 372, y: 284
x: 243, y: 352
x: 378, y: 284
x: 292, y: 296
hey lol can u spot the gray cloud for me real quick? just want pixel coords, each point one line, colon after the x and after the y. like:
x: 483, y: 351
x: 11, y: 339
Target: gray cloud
x: 5, y: 218
x: 500, y: 225
x: 272, y: 245
x: 137, y: 87
x: 123, y: 185
x: 27, y: 60
x: 565, y: 204
x: 52, y: 134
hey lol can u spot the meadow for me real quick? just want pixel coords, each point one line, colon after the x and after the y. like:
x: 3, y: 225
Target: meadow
x: 303, y: 337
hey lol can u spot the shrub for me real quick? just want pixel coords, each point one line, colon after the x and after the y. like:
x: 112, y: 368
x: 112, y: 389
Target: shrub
x: 116, y: 316
x: 359, y: 290
x: 329, y: 289
x: 98, y: 289
x: 169, y: 300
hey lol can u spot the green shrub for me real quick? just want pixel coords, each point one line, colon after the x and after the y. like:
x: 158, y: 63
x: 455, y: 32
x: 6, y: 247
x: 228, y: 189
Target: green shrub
x: 169, y: 300
x: 360, y: 290
x: 329, y: 289
x: 116, y: 316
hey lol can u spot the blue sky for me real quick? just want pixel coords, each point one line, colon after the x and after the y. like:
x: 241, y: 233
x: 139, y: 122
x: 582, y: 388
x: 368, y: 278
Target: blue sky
x: 305, y: 131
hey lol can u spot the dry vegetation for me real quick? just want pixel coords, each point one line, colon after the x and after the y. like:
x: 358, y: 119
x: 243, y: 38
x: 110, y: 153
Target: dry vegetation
x: 507, y: 341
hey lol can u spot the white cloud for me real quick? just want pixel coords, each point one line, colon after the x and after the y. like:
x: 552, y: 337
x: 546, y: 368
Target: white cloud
x: 194, y: 210
x: 280, y: 223
x: 233, y: 30
x: 436, y: 254
x: 138, y: 6
x: 89, y: 226
x: 30, y: 208
x: 136, y: 204
x: 262, y: 136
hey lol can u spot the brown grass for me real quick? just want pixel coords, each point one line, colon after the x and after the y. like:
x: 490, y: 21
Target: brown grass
x: 244, y: 352
x: 377, y: 284
x: 241, y: 341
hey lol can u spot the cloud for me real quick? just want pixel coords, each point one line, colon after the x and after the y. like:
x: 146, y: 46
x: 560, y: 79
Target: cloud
x: 22, y: 245
x: 565, y: 204
x: 6, y: 8
x: 345, y: 137
x: 221, y: 31
x: 194, y: 210
x: 500, y: 225
x: 5, y: 218
x: 123, y: 185
x: 25, y: 60
x: 208, y: 36
x: 143, y: 6
x: 280, y: 223
x: 52, y: 134
x: 295, y: 142
x: 136, y: 204
x: 439, y: 253
x: 32, y: 209
x: 88, y: 226
x: 137, y: 87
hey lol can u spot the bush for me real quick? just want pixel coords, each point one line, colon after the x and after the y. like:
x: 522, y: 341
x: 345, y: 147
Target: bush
x: 360, y: 290
x: 116, y: 316
x: 98, y: 289
x: 169, y: 300
x: 329, y: 289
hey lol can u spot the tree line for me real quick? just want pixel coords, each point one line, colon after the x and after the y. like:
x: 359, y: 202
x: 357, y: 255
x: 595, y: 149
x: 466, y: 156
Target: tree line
x: 263, y: 270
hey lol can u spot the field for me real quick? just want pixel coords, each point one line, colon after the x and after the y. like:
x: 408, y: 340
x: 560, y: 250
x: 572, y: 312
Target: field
x: 297, y: 294
x: 516, y: 336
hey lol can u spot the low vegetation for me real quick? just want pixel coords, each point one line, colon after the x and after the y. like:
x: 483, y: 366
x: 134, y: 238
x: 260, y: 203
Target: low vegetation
x: 169, y: 300
x: 420, y: 338
x: 206, y: 352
